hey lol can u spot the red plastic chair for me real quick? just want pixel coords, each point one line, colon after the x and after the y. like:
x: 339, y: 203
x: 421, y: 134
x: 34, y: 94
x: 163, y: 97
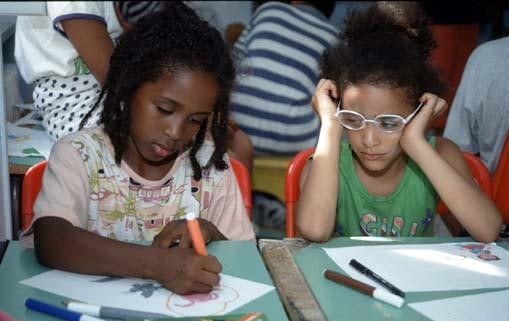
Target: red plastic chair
x: 244, y: 180
x: 292, y: 187
x: 32, y: 183
x: 501, y: 182
x: 481, y: 175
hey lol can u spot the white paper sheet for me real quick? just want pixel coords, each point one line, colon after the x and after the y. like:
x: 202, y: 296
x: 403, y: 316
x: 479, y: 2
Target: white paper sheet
x: 429, y: 267
x: 148, y: 295
x: 486, y: 306
x: 24, y: 142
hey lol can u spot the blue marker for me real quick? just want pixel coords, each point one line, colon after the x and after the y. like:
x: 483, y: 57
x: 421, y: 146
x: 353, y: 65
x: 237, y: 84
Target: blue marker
x: 57, y: 312
x: 108, y: 312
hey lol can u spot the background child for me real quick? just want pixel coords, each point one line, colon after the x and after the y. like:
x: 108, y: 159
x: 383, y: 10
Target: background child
x: 66, y: 54
x: 278, y: 55
x: 390, y: 176
x: 479, y: 117
x: 132, y: 179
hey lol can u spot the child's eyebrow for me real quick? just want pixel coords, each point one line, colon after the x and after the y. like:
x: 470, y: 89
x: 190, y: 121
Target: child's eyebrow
x: 175, y: 103
x: 168, y: 100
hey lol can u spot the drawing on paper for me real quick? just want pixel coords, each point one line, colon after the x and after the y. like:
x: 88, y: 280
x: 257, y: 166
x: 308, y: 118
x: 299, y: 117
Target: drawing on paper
x: 214, y: 302
x: 149, y: 295
x: 482, y: 251
x: 146, y: 289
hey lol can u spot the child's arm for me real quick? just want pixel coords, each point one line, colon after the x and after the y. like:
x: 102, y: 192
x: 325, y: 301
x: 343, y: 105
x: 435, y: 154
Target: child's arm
x: 177, y: 230
x: 316, y: 208
x: 91, y: 40
x: 447, y: 170
x: 60, y: 245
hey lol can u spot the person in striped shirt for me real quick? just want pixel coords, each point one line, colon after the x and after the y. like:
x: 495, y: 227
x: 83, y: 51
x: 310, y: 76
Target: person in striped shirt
x: 278, y: 54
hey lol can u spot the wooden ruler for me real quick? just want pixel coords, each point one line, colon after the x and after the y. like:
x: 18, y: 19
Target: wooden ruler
x: 299, y: 302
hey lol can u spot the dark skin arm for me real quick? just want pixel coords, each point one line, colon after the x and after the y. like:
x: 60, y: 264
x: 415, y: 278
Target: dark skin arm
x: 60, y: 245
x: 178, y: 230
x: 91, y: 40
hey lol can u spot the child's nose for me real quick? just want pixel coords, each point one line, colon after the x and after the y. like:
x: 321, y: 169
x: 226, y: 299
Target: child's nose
x: 370, y: 135
x: 175, y: 128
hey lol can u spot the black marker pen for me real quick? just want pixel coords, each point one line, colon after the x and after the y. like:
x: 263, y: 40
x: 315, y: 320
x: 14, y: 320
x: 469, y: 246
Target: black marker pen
x: 375, y: 277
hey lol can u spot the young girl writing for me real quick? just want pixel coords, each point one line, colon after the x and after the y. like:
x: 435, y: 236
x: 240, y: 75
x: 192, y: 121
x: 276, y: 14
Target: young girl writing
x: 134, y: 178
x: 379, y: 90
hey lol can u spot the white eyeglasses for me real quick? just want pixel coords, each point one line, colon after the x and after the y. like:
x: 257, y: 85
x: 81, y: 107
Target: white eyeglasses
x: 388, y: 123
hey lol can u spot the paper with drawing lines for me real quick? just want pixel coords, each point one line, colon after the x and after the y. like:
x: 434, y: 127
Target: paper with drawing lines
x: 148, y: 295
x: 486, y: 306
x: 429, y: 267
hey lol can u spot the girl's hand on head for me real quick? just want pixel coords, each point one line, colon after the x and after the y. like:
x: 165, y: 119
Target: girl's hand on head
x: 183, y: 271
x: 178, y: 232
x: 415, y: 131
x: 323, y: 102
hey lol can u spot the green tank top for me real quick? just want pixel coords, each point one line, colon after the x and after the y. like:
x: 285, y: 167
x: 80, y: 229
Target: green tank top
x: 408, y: 211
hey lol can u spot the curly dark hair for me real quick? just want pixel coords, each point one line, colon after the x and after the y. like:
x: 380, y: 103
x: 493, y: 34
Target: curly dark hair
x: 389, y: 44
x: 171, y: 40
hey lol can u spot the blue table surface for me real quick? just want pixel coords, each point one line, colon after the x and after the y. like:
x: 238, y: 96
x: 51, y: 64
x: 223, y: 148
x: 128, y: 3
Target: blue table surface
x: 239, y: 258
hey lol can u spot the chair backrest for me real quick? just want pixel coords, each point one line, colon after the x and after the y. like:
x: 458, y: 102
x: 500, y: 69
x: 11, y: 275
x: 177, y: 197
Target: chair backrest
x: 32, y: 183
x: 30, y: 187
x: 501, y: 182
x: 292, y: 188
x: 244, y: 181
x: 481, y: 175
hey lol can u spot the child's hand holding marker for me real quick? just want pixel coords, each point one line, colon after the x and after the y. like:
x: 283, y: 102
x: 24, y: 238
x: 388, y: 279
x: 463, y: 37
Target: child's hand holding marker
x: 178, y: 232
x: 184, y: 271
x: 196, y: 235
x: 196, y: 271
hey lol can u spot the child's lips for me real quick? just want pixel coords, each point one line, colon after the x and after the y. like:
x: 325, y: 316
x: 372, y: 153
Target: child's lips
x: 162, y: 150
x: 372, y: 156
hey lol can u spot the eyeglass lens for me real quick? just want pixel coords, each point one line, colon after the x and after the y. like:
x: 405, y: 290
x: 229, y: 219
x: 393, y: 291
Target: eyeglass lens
x: 355, y: 121
x: 387, y: 123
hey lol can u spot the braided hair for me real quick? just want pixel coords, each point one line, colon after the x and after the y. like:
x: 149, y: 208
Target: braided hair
x: 166, y: 41
x: 389, y: 44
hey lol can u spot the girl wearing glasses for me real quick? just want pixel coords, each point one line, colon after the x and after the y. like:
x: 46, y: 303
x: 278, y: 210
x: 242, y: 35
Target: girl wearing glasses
x: 379, y: 90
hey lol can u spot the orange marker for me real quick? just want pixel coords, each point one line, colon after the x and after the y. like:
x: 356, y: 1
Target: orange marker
x: 194, y: 229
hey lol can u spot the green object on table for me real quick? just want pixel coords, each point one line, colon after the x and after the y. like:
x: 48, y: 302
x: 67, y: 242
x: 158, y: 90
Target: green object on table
x: 342, y: 303
x: 31, y: 151
x: 239, y: 258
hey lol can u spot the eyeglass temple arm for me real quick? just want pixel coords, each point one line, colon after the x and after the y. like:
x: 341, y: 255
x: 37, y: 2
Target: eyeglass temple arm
x: 338, y: 109
x: 414, y: 113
